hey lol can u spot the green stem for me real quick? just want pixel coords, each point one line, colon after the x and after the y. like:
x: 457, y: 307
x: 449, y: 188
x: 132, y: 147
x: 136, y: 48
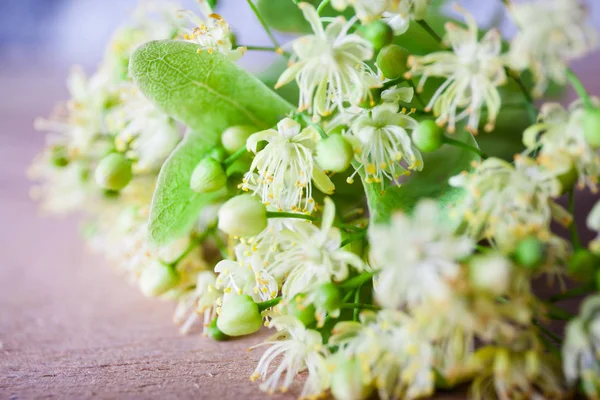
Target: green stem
x: 557, y: 339
x: 558, y: 314
x: 220, y: 245
x: 579, y: 88
x: 571, y: 293
x: 277, y: 50
x: 521, y: 85
x: 353, y: 238
x: 417, y: 95
x: 356, y: 301
x: 322, y: 6
x: 573, y: 227
x: 462, y: 145
x: 361, y: 305
x: 430, y: 30
x: 191, y: 246
x: 357, y: 281
x: 311, y: 123
x: 264, y: 305
x: 264, y: 24
x: 282, y: 214
x: 234, y: 157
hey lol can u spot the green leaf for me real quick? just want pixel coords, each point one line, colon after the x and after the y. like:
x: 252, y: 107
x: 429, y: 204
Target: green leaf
x: 204, y: 91
x: 271, y: 74
x: 175, y: 207
x: 431, y: 182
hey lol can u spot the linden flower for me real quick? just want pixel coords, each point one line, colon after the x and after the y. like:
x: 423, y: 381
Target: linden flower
x: 246, y: 277
x: 212, y: 34
x: 285, y: 167
x: 422, y: 264
x: 593, y: 223
x: 301, y: 349
x: 391, y: 351
x: 474, y: 69
x: 382, y: 142
x: 366, y: 10
x: 198, y: 303
x: 552, y: 33
x: 329, y: 66
x: 506, y: 203
x: 147, y: 134
x: 400, y: 13
x: 312, y: 256
x: 559, y: 141
x: 580, y: 351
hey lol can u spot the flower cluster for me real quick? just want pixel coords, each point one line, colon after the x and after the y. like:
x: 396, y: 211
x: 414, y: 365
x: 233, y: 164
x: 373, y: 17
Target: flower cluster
x: 420, y: 278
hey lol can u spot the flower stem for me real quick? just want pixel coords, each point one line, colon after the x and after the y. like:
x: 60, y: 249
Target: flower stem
x: 264, y: 25
x: 191, y: 246
x: 579, y: 88
x: 282, y: 214
x: 573, y: 227
x: 361, y: 305
x: 417, y: 95
x: 571, y: 293
x: 357, y: 281
x: 558, y: 313
x: 430, y: 30
x: 262, y: 306
x: 277, y: 50
x: 353, y: 238
x: 234, y: 157
x: 462, y: 145
x: 557, y: 339
x: 311, y: 123
x: 322, y: 6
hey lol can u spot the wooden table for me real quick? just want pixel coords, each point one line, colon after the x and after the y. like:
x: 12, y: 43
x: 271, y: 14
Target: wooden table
x: 69, y: 326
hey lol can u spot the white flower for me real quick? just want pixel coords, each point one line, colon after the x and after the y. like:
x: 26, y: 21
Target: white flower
x: 593, y: 223
x: 382, y: 142
x: 285, y: 167
x: 400, y: 13
x: 559, y: 141
x: 392, y: 352
x: 417, y: 257
x: 329, y: 66
x: 581, y: 348
x: 398, y: 94
x: 246, y: 276
x: 311, y: 256
x: 505, y: 203
x: 211, y: 34
x: 474, y: 69
x: 367, y: 11
x: 147, y: 134
x: 198, y: 303
x: 300, y: 349
x: 552, y: 33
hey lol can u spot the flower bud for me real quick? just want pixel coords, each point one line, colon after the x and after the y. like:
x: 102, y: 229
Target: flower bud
x: 591, y: 126
x: 208, y: 176
x: 328, y: 297
x: 568, y: 179
x: 239, y: 316
x: 334, y: 153
x: 428, y: 136
x: 157, y: 278
x: 348, y: 380
x: 234, y: 138
x: 243, y: 215
x: 219, y: 154
x: 393, y: 61
x: 59, y: 156
x: 213, y: 331
x: 582, y: 265
x: 490, y: 273
x: 113, y: 172
x: 378, y: 33
x: 298, y: 308
x: 530, y: 252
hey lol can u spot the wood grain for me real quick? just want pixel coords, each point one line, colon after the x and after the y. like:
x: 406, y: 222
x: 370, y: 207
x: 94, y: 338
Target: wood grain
x: 69, y: 326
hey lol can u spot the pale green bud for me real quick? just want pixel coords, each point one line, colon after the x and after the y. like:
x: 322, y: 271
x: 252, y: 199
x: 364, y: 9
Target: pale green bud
x: 234, y: 138
x: 328, y: 297
x: 299, y: 308
x: 348, y: 380
x: 59, y: 156
x: 428, y: 136
x: 334, y: 153
x: 243, y: 215
x: 393, y: 61
x: 490, y: 273
x: 239, y: 316
x: 157, y: 278
x: 113, y: 172
x: 591, y: 126
x: 213, y: 331
x: 530, y: 252
x: 219, y: 154
x: 208, y: 176
x: 378, y: 33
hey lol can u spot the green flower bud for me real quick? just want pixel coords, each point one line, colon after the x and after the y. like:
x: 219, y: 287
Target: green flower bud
x: 213, y: 331
x: 219, y: 154
x: 583, y: 265
x: 568, y: 179
x: 243, y: 215
x: 113, y: 172
x: 239, y: 316
x: 234, y: 138
x: 348, y: 381
x: 591, y: 126
x: 428, y: 136
x: 328, y: 297
x: 208, y: 176
x: 334, y: 153
x: 59, y: 156
x: 378, y: 33
x: 490, y: 273
x: 530, y: 252
x: 298, y: 308
x: 157, y: 278
x: 393, y: 61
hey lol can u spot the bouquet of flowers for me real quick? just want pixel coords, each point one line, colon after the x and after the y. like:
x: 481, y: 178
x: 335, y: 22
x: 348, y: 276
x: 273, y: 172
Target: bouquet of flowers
x: 345, y: 199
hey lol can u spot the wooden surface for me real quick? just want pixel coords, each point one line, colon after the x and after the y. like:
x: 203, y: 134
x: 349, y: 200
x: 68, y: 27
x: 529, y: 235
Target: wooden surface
x: 69, y: 326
